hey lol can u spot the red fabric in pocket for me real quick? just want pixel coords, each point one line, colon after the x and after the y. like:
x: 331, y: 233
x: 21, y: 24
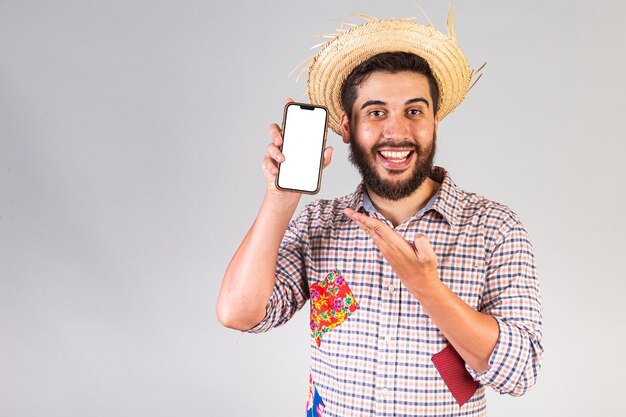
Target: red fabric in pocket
x: 451, y: 367
x: 332, y: 302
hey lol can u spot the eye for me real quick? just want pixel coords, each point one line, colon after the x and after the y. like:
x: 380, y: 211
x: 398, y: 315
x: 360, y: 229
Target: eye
x: 377, y: 113
x: 414, y: 112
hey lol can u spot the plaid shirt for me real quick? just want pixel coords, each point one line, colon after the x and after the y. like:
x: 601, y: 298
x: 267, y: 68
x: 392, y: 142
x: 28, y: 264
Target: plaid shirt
x: 377, y: 360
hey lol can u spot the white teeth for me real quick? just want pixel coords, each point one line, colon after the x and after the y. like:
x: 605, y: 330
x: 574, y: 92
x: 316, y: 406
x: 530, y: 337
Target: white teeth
x: 395, y: 155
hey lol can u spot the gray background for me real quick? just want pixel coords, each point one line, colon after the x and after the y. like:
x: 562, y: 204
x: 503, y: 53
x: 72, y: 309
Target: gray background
x: 131, y: 139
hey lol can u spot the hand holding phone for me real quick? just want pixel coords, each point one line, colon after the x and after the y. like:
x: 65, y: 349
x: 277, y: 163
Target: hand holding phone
x: 273, y: 157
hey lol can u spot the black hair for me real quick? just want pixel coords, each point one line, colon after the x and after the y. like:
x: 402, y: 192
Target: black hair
x: 390, y: 62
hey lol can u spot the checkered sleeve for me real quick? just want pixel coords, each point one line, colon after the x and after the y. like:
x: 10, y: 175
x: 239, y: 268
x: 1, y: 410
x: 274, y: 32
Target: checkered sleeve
x: 291, y: 290
x: 512, y: 297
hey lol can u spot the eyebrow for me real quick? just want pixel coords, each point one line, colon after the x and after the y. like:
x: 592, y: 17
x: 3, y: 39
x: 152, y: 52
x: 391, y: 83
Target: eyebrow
x: 382, y: 103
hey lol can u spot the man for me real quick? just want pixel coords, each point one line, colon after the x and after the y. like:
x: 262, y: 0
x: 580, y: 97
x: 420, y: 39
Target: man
x: 421, y: 293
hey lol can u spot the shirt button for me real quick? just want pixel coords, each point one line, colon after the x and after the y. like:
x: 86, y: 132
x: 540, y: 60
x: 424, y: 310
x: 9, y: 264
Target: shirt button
x: 385, y: 392
x: 387, y: 339
x: 391, y: 288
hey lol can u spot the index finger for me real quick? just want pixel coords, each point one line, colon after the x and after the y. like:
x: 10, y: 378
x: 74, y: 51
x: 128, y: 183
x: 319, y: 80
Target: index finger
x: 369, y: 224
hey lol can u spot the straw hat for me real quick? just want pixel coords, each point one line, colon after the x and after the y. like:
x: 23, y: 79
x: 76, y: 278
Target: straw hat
x: 352, y: 45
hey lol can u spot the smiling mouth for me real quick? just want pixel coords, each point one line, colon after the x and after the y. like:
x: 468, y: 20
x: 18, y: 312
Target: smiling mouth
x: 396, y: 156
x: 395, y: 161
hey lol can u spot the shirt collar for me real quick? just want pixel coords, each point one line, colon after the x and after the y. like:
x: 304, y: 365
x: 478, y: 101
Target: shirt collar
x: 449, y: 196
x: 355, y: 201
x: 447, y: 201
x: 367, y: 202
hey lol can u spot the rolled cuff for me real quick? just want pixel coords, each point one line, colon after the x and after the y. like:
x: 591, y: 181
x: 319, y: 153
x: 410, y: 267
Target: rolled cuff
x: 268, y: 321
x: 514, y: 363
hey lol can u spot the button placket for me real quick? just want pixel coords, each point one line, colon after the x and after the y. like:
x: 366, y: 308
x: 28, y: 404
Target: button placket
x: 385, y: 356
x: 390, y: 301
x: 381, y: 379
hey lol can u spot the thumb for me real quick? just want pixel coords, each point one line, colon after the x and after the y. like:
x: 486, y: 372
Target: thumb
x: 423, y: 248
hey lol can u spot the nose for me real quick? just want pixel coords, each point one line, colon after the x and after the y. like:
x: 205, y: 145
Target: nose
x: 396, y: 127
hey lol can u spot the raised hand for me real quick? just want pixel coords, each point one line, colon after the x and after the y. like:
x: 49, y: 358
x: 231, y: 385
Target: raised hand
x: 273, y: 156
x: 415, y: 263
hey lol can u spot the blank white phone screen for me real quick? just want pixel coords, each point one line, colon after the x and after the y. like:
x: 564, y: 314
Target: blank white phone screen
x: 303, y: 140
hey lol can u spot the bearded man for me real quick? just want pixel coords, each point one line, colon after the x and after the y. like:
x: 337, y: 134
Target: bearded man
x: 421, y: 293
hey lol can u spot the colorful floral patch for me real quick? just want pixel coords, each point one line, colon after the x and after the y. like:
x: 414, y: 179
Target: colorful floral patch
x: 332, y: 302
x: 314, y: 404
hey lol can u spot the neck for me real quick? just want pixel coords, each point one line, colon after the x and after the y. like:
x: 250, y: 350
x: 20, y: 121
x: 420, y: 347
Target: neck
x: 398, y: 211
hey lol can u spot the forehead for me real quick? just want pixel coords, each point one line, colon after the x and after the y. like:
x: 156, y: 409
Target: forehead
x: 389, y: 87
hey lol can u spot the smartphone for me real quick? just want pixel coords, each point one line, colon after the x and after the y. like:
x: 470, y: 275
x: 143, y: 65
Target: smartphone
x: 304, y: 140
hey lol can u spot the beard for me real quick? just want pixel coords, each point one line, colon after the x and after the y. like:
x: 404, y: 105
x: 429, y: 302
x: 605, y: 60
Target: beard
x: 390, y: 189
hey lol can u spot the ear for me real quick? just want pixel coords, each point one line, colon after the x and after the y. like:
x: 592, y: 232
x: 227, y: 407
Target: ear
x: 436, y: 121
x: 345, y: 128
